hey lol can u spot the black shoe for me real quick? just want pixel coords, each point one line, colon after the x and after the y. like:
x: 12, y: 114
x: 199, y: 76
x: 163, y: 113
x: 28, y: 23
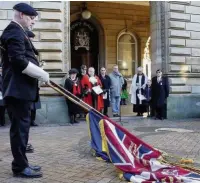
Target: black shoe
x: 29, y: 148
x: 36, y: 168
x: 28, y: 173
x: 33, y: 123
x: 138, y: 114
x: 117, y: 115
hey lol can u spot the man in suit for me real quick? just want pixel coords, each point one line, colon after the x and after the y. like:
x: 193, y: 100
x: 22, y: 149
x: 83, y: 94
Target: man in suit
x: 21, y: 73
x: 160, y: 92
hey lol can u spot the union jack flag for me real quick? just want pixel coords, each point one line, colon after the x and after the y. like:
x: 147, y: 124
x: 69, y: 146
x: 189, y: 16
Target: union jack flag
x: 137, y: 161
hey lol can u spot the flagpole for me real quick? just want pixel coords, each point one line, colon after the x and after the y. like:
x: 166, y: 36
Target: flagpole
x: 73, y: 98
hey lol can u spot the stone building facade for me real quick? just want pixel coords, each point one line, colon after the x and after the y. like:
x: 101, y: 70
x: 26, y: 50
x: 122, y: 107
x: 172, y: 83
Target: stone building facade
x: 164, y: 35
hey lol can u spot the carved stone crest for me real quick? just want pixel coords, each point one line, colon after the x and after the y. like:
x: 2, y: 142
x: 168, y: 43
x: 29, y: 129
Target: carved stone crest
x: 82, y: 40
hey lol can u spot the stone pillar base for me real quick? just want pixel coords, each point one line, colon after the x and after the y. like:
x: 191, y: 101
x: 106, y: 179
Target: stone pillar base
x: 183, y: 106
x: 53, y: 111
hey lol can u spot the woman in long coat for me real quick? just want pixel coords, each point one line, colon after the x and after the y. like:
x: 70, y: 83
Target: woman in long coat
x: 106, y: 84
x: 72, y: 84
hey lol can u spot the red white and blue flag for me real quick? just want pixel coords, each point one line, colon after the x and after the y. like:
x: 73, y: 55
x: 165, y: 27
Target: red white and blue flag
x: 137, y: 161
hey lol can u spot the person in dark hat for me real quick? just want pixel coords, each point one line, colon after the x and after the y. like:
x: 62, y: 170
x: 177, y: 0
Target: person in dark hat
x: 72, y: 84
x: 21, y: 73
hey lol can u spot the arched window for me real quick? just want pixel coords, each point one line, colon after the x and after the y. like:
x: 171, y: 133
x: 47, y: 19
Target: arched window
x: 127, y: 54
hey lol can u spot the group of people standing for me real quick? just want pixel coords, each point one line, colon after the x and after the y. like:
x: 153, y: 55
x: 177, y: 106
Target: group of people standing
x: 103, y: 90
x: 96, y: 91
x: 150, y: 96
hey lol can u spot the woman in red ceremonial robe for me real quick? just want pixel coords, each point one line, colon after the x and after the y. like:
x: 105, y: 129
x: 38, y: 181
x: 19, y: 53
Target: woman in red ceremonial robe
x: 72, y: 84
x: 97, y: 99
x: 86, y: 86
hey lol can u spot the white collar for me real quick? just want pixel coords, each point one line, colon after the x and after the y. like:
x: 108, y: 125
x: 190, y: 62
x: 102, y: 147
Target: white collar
x: 18, y: 24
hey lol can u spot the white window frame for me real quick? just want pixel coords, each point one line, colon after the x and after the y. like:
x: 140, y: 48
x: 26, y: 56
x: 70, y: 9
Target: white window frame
x: 136, y: 48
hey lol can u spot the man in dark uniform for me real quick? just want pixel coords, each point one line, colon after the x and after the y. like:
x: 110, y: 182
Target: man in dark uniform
x: 160, y: 92
x: 21, y: 73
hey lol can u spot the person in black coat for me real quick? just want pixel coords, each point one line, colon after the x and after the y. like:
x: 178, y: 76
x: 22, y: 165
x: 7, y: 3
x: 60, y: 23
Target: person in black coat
x: 160, y: 92
x: 21, y: 73
x: 106, y: 84
x: 2, y: 106
x: 72, y: 84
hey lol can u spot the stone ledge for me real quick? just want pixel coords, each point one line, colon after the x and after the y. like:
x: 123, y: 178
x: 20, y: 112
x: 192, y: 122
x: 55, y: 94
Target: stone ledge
x: 179, y: 16
x: 180, y: 51
x: 46, y: 56
x: 179, y: 2
x: 192, y: 10
x: 50, y: 36
x: 53, y: 66
x: 195, y: 35
x: 179, y: 33
x: 195, y: 52
x: 53, y: 6
x: 48, y: 46
x: 193, y: 26
x: 55, y: 16
x: 196, y: 68
x: 177, y: 7
x: 195, y: 18
x: 193, y: 43
x: 177, y: 59
x: 49, y: 26
x: 193, y: 60
x: 196, y: 89
x: 180, y: 68
x: 176, y: 25
x: 181, y: 89
x: 183, y: 106
x: 195, y: 3
x: 177, y: 81
x: 177, y: 42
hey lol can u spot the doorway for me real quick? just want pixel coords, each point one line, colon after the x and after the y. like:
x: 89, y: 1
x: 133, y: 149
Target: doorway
x: 84, y: 44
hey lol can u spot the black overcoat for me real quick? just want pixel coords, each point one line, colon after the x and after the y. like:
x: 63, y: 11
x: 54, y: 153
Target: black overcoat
x: 106, y: 84
x: 160, y: 91
x: 19, y: 50
x: 72, y: 107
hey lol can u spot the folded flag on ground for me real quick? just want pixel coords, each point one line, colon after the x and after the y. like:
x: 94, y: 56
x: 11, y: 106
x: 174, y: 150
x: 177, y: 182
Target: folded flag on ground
x: 137, y: 161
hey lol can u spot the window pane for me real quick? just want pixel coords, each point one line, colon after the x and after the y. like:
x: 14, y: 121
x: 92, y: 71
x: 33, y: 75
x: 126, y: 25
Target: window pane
x: 127, y: 38
x: 126, y: 55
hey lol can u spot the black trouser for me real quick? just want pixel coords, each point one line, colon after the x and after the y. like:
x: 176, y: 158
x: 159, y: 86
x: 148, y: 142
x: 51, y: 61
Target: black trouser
x: 33, y: 115
x: 19, y: 132
x: 105, y: 110
x: 2, y: 115
x: 160, y: 111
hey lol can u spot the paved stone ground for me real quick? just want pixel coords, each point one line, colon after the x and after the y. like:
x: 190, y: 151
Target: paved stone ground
x: 64, y: 153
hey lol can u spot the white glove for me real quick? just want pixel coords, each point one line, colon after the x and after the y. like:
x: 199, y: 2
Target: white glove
x: 34, y: 71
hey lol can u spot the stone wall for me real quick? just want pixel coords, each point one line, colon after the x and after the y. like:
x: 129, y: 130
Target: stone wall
x: 114, y: 17
x: 175, y: 30
x: 184, y: 46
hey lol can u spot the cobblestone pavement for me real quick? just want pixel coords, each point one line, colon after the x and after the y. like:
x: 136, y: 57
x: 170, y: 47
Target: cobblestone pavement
x: 64, y: 153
